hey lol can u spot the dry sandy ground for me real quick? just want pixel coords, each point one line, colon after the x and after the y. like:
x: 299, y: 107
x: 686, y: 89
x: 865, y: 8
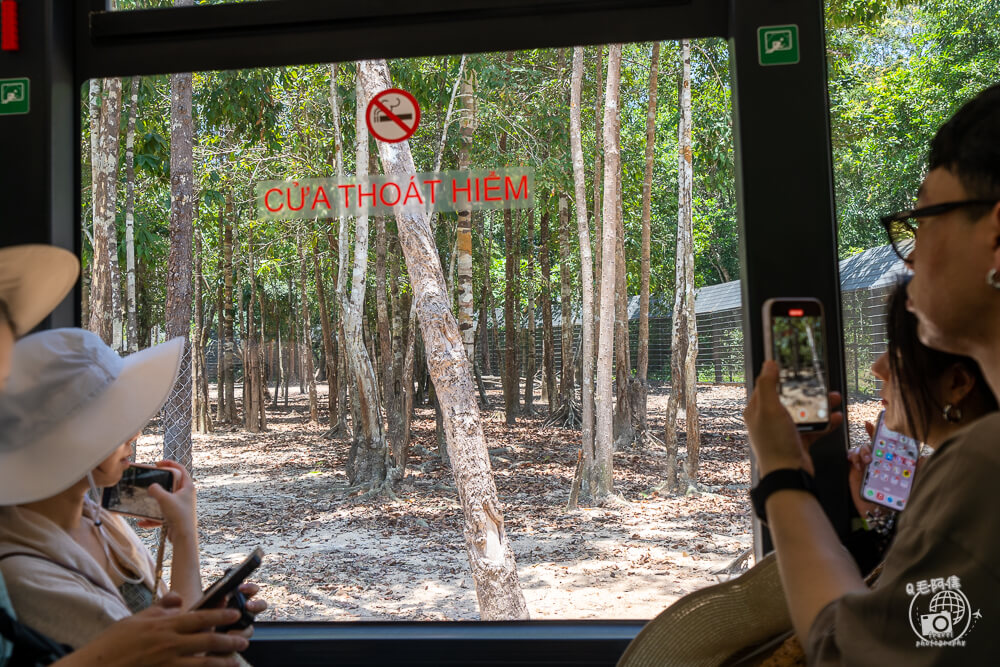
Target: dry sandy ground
x: 331, y: 556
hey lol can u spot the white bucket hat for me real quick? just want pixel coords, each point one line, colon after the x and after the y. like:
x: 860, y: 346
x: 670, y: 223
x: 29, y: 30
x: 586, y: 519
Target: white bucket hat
x: 70, y: 402
x: 33, y: 280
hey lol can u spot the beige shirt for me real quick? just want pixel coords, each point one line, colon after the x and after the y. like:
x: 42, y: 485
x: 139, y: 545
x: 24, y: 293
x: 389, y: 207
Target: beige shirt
x: 937, y: 600
x: 69, y: 606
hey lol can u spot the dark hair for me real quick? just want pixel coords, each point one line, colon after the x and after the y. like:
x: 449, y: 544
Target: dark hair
x: 968, y: 145
x: 914, y: 367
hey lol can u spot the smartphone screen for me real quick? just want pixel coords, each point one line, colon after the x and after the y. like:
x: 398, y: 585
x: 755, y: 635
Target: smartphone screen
x: 797, y: 344
x: 889, y: 476
x: 131, y: 495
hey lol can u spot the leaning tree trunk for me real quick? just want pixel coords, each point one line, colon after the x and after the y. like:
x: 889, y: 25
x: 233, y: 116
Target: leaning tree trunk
x: 308, y: 371
x: 603, y: 482
x: 487, y: 543
x: 104, y: 283
x: 177, y: 410
x: 586, y: 273
x: 133, y: 331
x: 647, y: 189
x: 366, y: 464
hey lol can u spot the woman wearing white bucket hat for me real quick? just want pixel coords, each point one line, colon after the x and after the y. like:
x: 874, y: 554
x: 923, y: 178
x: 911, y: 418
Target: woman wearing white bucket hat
x: 33, y: 280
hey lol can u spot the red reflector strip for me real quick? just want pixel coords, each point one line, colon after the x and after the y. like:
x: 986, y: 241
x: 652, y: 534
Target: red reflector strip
x: 8, y: 26
x: 796, y: 312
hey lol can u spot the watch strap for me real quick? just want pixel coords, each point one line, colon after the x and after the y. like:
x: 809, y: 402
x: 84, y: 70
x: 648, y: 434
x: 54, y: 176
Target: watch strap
x: 776, y: 480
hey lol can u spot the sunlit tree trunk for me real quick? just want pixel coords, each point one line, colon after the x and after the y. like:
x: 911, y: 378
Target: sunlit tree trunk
x: 565, y: 308
x: 133, y: 333
x: 598, y: 179
x: 586, y: 272
x: 227, y: 383
x: 487, y: 543
x: 684, y: 338
x: 647, y: 190
x: 602, y: 482
x: 329, y: 353
x: 307, y: 357
x: 177, y: 311
x: 105, y: 319
x: 367, y: 458
x: 201, y: 414
x: 340, y: 284
x: 463, y: 240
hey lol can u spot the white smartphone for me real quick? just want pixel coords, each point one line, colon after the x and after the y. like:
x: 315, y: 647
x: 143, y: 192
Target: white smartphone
x: 794, y: 337
x: 889, y: 477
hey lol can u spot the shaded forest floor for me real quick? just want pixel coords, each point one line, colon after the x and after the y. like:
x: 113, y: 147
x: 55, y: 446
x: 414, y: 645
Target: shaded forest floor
x: 331, y: 556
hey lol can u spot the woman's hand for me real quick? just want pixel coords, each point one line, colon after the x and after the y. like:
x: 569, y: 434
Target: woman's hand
x: 253, y: 606
x: 178, y: 505
x: 775, y: 441
x: 859, y: 457
x: 163, y: 636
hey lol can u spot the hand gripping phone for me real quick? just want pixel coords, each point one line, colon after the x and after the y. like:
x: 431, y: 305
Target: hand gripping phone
x: 794, y: 337
x: 230, y: 580
x: 130, y: 496
x: 889, y: 477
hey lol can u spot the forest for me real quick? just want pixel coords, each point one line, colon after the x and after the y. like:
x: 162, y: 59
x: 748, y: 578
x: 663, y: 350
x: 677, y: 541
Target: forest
x: 406, y: 360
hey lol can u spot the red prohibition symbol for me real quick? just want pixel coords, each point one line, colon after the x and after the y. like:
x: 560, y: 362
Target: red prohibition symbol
x: 393, y: 115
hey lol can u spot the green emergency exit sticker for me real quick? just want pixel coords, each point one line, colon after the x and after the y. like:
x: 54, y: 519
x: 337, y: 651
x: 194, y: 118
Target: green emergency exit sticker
x: 778, y: 44
x: 14, y: 96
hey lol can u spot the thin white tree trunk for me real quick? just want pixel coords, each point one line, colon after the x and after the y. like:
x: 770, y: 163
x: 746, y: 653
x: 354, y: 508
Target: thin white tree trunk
x: 586, y: 271
x: 367, y: 460
x: 603, y: 481
x: 647, y: 190
x: 133, y: 332
x: 463, y: 231
x: 487, y: 543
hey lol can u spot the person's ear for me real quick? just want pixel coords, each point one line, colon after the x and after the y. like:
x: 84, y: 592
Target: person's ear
x: 957, y: 383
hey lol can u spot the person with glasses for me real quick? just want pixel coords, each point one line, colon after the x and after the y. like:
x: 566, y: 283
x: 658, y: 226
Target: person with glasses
x: 937, y: 600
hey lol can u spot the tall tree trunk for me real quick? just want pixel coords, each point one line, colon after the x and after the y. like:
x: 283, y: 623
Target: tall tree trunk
x: 307, y: 358
x: 329, y: 354
x: 684, y: 338
x: 529, y: 347
x: 624, y: 429
x: 220, y: 327
x: 105, y: 319
x: 397, y: 438
x: 487, y: 543
x: 485, y: 303
x: 133, y: 333
x: 340, y: 284
x: 511, y: 380
x: 566, y: 309
x: 201, y: 414
x: 603, y: 479
x: 177, y: 410
x: 367, y: 458
x: 463, y: 240
x: 548, y: 336
x: 647, y: 192
x: 385, y: 357
x: 254, y: 416
x: 228, y: 416
x: 598, y: 179
x: 586, y: 273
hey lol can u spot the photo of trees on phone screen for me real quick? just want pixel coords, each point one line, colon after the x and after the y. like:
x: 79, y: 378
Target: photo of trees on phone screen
x: 798, y: 349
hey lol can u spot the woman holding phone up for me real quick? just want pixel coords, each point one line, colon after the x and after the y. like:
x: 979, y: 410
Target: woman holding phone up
x: 72, y: 409
x: 33, y: 280
x: 928, y: 395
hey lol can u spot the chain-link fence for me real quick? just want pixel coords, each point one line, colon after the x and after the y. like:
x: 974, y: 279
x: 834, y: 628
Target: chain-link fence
x: 176, y: 415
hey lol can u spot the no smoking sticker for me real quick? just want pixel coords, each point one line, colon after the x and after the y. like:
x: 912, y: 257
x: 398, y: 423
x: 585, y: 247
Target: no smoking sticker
x: 393, y: 115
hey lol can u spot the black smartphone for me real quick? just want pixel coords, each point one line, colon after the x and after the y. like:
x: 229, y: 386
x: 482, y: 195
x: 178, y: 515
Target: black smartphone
x: 230, y: 580
x: 131, y: 495
x: 793, y: 336
x: 889, y: 477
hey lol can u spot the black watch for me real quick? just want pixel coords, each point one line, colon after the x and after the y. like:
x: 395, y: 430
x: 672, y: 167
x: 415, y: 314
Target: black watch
x: 776, y: 480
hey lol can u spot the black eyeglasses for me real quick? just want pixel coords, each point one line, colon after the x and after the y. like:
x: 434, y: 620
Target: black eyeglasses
x: 902, y: 227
